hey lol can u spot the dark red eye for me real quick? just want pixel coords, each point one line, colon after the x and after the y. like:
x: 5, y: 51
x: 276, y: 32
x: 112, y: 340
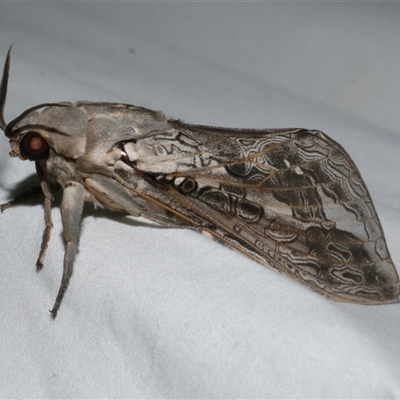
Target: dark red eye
x: 33, y: 147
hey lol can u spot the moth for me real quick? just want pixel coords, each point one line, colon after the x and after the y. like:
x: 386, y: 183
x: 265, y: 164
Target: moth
x: 290, y: 199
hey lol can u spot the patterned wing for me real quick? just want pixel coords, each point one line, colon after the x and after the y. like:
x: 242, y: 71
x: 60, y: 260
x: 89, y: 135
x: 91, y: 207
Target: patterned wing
x: 292, y: 199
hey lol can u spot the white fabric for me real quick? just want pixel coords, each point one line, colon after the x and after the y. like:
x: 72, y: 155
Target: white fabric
x: 162, y: 313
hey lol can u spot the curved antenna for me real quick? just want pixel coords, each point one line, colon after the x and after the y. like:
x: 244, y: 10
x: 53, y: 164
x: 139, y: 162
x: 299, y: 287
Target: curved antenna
x: 3, y: 89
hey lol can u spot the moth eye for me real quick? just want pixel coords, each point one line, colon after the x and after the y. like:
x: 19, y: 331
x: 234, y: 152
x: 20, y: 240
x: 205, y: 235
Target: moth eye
x: 33, y: 147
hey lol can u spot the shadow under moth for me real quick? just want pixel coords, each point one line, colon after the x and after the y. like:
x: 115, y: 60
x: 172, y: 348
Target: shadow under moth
x: 290, y: 199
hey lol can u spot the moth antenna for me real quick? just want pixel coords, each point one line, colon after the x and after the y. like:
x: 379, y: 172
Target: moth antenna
x: 3, y: 89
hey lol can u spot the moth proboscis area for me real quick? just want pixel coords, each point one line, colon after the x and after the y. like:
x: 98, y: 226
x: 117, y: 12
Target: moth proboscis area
x: 290, y: 199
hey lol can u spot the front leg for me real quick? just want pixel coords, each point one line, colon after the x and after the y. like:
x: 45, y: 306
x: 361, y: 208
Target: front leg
x: 24, y: 197
x: 48, y: 199
x: 71, y: 214
x: 47, y: 190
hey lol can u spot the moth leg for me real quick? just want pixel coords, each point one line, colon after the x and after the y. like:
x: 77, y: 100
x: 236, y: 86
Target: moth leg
x: 23, y: 198
x: 71, y: 214
x: 46, y: 188
x: 46, y: 232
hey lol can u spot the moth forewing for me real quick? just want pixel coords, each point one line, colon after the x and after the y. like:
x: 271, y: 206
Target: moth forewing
x: 290, y: 199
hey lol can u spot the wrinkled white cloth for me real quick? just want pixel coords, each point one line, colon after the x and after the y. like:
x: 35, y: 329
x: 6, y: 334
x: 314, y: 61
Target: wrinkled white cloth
x: 166, y: 313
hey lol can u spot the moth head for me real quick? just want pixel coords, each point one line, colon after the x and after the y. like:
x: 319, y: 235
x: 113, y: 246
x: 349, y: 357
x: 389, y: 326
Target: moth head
x: 58, y: 126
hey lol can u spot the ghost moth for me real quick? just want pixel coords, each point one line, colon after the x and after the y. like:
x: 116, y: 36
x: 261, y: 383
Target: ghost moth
x: 290, y: 199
